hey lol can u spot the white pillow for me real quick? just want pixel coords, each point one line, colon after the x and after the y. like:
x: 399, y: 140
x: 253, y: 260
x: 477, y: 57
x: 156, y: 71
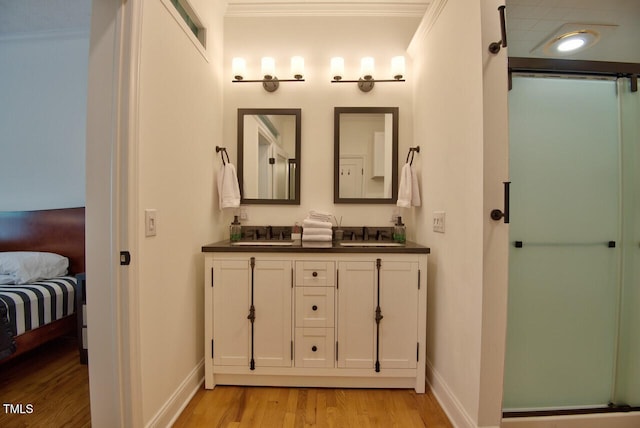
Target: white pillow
x: 6, y: 279
x: 29, y: 266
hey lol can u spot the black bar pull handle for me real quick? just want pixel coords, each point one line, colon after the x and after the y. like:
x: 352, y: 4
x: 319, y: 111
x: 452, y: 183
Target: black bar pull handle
x: 494, y: 47
x: 498, y: 214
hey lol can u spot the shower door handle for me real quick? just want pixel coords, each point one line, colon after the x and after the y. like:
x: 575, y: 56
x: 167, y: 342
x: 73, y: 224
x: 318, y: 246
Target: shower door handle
x: 498, y: 214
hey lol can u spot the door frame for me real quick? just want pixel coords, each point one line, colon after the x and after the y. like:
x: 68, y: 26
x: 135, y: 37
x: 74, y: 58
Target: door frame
x: 111, y: 159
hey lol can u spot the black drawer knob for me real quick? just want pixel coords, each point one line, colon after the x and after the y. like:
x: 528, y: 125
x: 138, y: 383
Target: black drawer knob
x: 315, y: 274
x: 314, y: 348
x: 314, y: 307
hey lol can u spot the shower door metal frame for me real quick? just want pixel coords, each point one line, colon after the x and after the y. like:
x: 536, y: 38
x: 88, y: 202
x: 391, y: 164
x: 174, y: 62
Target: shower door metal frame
x: 573, y: 67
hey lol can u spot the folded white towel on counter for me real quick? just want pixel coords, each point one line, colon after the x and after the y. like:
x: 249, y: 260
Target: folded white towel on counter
x: 228, y: 188
x: 319, y: 238
x: 408, y: 191
x: 320, y: 216
x: 317, y: 231
x: 316, y: 224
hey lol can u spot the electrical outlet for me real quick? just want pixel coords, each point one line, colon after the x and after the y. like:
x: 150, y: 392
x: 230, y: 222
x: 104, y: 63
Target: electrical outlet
x: 438, y: 221
x: 150, y: 222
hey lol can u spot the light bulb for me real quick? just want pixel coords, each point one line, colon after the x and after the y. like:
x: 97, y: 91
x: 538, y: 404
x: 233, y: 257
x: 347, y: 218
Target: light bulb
x: 297, y: 67
x: 337, y: 67
x: 367, y: 67
x: 239, y: 68
x: 268, y: 67
x: 397, y: 67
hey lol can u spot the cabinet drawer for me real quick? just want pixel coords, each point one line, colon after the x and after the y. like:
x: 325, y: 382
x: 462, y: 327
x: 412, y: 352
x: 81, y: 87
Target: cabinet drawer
x: 314, y: 306
x: 315, y: 274
x: 314, y: 347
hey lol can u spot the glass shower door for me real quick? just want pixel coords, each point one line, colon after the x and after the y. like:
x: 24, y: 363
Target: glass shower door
x: 564, y: 244
x: 627, y: 389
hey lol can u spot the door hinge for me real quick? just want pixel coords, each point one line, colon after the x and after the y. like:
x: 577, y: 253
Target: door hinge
x: 125, y: 258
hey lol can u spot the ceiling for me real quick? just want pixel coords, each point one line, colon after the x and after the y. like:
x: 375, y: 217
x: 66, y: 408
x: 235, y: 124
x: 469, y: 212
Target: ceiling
x: 529, y: 22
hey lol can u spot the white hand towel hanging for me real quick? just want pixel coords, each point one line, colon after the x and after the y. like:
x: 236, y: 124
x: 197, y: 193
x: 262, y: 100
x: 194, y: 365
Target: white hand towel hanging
x: 228, y: 188
x: 415, y: 188
x: 408, y: 191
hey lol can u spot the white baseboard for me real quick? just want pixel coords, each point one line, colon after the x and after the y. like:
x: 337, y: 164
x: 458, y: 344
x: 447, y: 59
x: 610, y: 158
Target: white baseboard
x: 448, y: 401
x: 174, y: 406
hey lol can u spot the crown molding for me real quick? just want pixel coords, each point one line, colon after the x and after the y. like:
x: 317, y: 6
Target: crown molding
x: 430, y: 17
x: 413, y: 9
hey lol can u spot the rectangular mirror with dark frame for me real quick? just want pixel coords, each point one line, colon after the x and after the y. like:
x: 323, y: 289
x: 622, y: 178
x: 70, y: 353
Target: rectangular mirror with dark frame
x: 269, y: 156
x: 365, y: 155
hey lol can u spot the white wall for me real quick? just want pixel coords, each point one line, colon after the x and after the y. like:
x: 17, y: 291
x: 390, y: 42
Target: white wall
x: 448, y: 98
x: 179, y: 124
x: 317, y: 39
x: 43, y: 120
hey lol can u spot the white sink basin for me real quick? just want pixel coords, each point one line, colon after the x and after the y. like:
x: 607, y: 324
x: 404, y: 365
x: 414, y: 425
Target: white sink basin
x: 263, y: 243
x: 370, y: 244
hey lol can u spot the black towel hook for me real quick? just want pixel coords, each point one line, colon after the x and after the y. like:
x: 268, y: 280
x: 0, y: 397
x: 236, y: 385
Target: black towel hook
x: 494, y: 47
x: 412, y: 152
x: 224, y: 152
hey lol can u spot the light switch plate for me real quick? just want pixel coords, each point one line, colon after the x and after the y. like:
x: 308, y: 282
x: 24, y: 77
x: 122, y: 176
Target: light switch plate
x: 243, y: 214
x: 438, y: 221
x: 150, y: 222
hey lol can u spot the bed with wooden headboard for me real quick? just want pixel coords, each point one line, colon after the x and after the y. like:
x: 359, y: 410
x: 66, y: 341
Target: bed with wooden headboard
x: 60, y: 231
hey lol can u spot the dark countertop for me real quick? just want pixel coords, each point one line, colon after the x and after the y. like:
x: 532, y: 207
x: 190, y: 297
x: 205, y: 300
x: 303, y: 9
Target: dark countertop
x: 310, y: 247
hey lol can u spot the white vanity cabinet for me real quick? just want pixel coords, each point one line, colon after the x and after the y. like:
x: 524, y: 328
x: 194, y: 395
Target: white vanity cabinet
x: 269, y: 345
x: 390, y: 291
x: 327, y: 319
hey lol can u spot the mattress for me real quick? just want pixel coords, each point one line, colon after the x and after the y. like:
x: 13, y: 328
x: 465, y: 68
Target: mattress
x: 34, y: 305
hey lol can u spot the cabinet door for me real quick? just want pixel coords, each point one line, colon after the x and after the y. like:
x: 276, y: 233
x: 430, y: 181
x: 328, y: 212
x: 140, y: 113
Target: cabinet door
x: 399, y: 305
x: 356, y: 314
x: 231, y: 281
x: 272, y: 301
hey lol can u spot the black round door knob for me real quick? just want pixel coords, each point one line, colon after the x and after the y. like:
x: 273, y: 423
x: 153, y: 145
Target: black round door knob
x: 314, y: 348
x: 314, y: 307
x: 315, y: 274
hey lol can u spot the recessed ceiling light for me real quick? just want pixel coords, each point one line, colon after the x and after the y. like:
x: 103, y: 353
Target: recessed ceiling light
x: 572, y: 42
x: 572, y: 38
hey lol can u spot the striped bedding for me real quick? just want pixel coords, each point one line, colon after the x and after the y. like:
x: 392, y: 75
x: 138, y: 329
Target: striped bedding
x: 33, y: 305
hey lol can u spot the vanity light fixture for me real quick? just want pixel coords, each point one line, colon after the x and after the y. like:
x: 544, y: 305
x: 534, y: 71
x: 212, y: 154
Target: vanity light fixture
x: 367, y: 69
x: 269, y: 81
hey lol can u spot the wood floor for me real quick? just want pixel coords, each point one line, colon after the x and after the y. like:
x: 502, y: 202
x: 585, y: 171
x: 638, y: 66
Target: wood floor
x: 56, y: 385
x: 256, y: 407
x: 51, y: 380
